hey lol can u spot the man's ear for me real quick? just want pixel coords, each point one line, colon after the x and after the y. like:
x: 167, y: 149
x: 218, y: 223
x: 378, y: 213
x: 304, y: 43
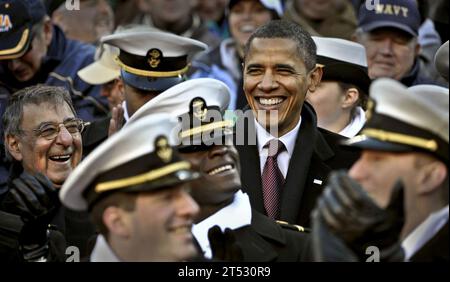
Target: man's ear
x: 315, y: 76
x: 48, y: 31
x: 431, y: 176
x: 14, y: 147
x: 350, y: 98
x: 121, y: 87
x: 417, y: 49
x: 117, y: 221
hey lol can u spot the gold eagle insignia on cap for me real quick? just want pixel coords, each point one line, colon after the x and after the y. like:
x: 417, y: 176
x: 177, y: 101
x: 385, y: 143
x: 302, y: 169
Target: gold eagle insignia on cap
x: 199, y: 109
x: 153, y: 57
x: 163, y: 149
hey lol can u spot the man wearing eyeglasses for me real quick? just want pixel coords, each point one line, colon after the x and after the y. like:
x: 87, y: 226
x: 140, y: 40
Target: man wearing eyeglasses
x: 43, y: 140
x: 33, y: 50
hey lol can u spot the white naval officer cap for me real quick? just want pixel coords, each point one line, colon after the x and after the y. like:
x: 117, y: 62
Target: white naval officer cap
x: 138, y: 158
x: 105, y: 69
x: 199, y: 104
x: 175, y: 101
x: 406, y: 119
x: 343, y: 61
x: 153, y: 60
x: 441, y: 60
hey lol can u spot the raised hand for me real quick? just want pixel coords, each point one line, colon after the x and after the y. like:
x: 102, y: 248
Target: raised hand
x: 223, y: 245
x: 350, y: 213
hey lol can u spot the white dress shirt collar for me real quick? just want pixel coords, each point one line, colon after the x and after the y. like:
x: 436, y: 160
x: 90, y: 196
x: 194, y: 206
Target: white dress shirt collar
x: 424, y: 232
x: 355, y: 126
x: 125, y: 111
x: 102, y: 251
x: 288, y: 139
x: 234, y: 216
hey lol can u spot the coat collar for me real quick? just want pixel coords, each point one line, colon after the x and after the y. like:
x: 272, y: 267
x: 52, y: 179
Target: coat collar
x: 259, y: 238
x: 311, y: 149
x: 267, y: 228
x: 310, y: 144
x: 102, y: 252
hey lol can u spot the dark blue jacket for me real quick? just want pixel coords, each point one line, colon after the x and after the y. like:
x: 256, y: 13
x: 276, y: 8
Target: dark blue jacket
x: 64, y: 59
x: 414, y: 77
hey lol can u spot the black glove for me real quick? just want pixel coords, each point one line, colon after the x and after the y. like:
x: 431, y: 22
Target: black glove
x: 326, y: 245
x: 36, y: 201
x: 223, y: 245
x: 358, y: 221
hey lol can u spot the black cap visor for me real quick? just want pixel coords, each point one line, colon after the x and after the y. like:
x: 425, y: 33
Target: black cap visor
x: 347, y: 73
x: 145, y: 83
x: 204, y: 140
x: 15, y: 44
x: 165, y: 182
x: 367, y: 143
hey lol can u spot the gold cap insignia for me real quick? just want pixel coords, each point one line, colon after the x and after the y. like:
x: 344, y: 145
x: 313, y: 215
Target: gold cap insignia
x: 154, y: 57
x: 163, y: 149
x: 370, y: 107
x: 199, y: 109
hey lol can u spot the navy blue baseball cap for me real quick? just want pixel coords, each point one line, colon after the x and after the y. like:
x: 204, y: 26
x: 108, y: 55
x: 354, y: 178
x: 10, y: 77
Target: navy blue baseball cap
x: 17, y: 18
x: 400, y: 14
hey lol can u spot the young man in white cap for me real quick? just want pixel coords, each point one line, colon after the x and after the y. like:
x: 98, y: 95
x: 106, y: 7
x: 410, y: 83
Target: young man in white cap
x: 136, y: 190
x: 150, y: 62
x: 227, y: 227
x: 341, y: 96
x: 405, y: 146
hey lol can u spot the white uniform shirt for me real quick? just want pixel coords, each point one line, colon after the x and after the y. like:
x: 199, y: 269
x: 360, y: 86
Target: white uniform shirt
x: 355, y: 125
x: 424, y: 232
x: 102, y: 251
x: 234, y: 216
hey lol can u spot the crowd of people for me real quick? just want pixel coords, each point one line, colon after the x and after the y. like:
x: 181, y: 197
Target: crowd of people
x: 224, y: 130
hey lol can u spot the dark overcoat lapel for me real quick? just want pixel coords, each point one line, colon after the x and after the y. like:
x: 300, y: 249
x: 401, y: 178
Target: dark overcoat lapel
x: 312, y: 160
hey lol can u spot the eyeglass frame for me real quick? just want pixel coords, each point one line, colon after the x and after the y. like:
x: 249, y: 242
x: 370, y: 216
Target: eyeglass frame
x: 39, y: 131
